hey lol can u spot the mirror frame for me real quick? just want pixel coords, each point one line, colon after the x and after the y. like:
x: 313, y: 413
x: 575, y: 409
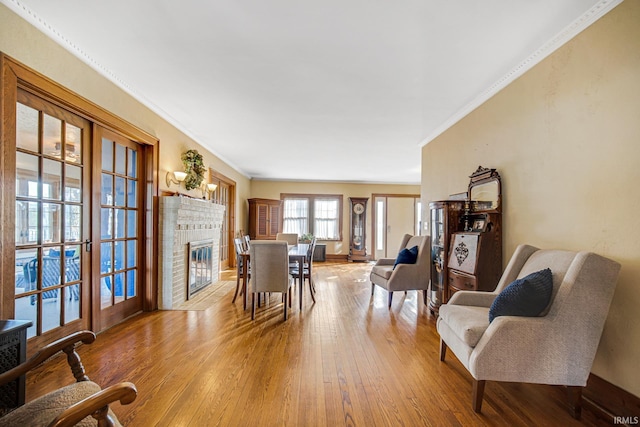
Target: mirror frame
x: 480, y: 177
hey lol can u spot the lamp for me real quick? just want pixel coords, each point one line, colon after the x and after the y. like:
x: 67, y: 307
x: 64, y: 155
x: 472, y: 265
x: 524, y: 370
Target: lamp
x: 175, y: 178
x: 208, y: 189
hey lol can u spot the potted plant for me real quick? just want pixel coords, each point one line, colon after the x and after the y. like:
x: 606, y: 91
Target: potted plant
x: 306, y: 238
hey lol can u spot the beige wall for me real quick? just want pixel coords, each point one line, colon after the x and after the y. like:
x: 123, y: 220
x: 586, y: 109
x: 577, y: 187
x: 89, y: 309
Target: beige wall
x: 565, y: 138
x: 272, y: 190
x: 26, y: 44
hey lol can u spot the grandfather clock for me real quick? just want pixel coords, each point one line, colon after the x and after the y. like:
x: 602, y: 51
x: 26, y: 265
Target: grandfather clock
x: 358, y: 229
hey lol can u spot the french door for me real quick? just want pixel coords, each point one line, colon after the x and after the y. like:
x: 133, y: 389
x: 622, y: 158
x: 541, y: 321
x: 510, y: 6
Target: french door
x: 52, y: 217
x: 78, y: 222
x: 118, y: 233
x: 78, y: 232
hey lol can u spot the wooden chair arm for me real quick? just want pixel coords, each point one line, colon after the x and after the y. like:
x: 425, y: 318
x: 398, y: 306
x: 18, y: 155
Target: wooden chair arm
x: 97, y: 405
x: 66, y: 344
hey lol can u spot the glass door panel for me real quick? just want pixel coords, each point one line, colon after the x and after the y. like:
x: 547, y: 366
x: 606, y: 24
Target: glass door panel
x: 120, y: 231
x: 51, y: 221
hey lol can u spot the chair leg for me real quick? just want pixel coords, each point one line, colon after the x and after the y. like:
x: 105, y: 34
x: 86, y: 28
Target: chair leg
x: 443, y: 349
x: 313, y: 297
x: 253, y: 306
x: 237, y: 290
x: 285, y: 306
x: 390, y: 298
x: 478, y: 392
x: 575, y: 401
x: 301, y: 293
x: 372, y: 288
x: 424, y: 297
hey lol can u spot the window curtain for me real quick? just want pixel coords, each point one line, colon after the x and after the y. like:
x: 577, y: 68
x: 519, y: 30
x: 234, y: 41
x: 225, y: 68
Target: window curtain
x: 295, y: 217
x: 326, y: 219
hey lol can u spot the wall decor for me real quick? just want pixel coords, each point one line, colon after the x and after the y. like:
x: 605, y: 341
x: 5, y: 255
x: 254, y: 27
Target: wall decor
x: 194, y: 168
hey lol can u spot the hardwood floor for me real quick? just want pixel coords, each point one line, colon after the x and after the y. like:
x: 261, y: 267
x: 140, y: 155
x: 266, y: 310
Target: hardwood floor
x: 345, y: 360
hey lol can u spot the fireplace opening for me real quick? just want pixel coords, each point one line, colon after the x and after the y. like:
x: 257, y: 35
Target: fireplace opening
x: 200, y: 273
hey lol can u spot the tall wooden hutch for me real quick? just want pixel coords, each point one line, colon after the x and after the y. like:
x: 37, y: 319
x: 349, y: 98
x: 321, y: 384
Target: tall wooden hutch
x: 265, y: 218
x: 466, y: 239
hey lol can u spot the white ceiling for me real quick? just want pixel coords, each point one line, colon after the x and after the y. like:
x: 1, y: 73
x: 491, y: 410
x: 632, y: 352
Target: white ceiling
x: 340, y: 90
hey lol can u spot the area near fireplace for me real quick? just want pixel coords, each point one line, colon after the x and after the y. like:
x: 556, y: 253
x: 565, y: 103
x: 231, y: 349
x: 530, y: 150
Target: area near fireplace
x: 185, y: 221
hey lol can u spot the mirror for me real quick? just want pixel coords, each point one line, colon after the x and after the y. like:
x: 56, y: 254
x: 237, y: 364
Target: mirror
x: 484, y: 190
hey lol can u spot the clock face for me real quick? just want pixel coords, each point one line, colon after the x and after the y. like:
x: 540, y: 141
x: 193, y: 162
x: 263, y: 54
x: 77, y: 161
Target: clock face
x: 358, y: 208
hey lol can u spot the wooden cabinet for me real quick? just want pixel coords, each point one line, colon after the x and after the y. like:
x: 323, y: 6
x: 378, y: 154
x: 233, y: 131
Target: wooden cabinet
x: 475, y: 261
x: 466, y: 247
x: 13, y: 351
x: 265, y: 218
x: 444, y: 220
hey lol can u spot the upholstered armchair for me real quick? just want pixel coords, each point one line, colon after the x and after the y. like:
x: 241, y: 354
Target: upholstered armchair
x: 404, y: 277
x: 556, y: 347
x: 82, y: 403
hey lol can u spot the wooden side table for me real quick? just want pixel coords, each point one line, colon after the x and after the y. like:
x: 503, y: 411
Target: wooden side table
x: 13, y: 351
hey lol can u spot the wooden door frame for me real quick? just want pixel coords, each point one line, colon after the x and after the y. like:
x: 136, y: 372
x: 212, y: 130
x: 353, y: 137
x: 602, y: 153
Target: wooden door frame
x: 374, y: 218
x: 231, y: 231
x: 14, y: 75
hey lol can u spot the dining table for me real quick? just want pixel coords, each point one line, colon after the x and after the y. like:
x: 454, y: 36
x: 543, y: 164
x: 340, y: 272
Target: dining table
x: 297, y: 254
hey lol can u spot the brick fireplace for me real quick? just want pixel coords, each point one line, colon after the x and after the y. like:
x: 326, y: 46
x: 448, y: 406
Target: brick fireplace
x: 184, y: 220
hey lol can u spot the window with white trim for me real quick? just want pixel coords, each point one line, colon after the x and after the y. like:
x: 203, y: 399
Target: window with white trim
x: 318, y: 214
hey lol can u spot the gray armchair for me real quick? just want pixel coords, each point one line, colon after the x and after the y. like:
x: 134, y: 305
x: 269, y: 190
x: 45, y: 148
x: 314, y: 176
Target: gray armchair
x: 404, y: 277
x: 557, y: 347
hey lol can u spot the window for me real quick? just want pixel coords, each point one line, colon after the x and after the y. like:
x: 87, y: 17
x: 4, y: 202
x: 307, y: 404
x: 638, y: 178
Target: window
x: 318, y: 214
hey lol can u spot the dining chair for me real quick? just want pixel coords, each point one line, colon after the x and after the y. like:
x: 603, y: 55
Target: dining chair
x: 307, y: 270
x: 239, y: 247
x: 290, y: 238
x: 270, y: 271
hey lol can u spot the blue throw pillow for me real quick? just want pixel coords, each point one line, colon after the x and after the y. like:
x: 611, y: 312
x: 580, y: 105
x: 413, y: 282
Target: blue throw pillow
x: 407, y: 256
x: 527, y: 297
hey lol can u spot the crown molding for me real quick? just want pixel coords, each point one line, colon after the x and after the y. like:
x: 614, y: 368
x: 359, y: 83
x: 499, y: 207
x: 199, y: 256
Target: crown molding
x: 572, y: 30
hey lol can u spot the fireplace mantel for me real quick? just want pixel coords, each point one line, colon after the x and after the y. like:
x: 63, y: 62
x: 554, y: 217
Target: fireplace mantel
x: 184, y: 220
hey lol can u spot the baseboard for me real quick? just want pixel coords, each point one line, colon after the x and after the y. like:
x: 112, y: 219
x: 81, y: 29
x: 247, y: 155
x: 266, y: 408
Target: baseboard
x: 610, y: 402
x: 337, y: 258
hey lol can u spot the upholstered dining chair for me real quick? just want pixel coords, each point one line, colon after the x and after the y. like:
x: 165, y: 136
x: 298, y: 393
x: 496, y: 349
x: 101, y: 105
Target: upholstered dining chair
x: 290, y: 238
x: 270, y: 271
x: 83, y: 403
x: 555, y: 347
x: 392, y: 275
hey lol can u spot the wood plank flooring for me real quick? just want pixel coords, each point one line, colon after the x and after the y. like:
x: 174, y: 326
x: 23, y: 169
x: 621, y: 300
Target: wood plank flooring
x: 345, y: 360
